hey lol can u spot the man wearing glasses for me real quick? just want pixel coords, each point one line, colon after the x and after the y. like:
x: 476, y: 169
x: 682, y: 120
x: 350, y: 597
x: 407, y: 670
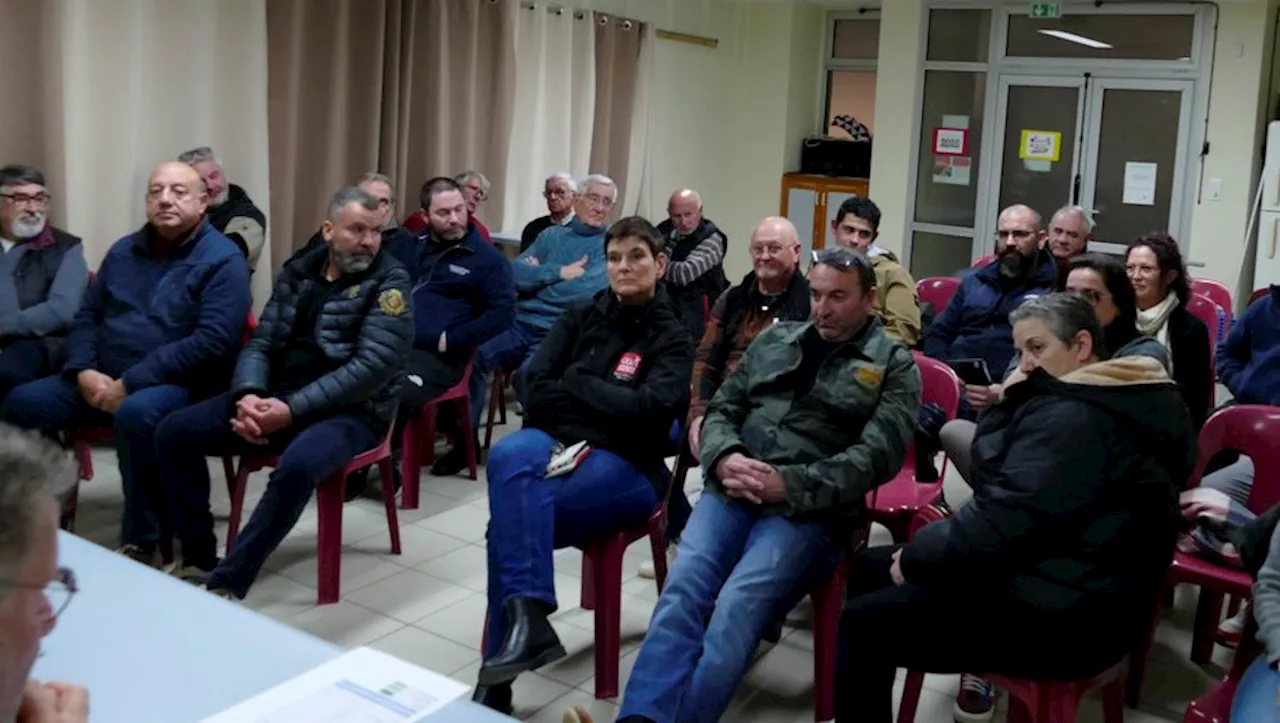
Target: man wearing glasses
x: 33, y: 589
x: 560, y: 191
x: 42, y: 279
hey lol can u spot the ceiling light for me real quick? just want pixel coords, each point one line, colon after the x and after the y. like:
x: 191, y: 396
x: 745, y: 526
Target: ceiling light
x: 1078, y: 39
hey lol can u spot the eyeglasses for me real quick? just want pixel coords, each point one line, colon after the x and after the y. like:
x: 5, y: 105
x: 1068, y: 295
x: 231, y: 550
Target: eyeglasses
x: 59, y: 591
x: 598, y: 201
x: 478, y: 191
x: 761, y: 250
x: 1017, y: 234
x: 1140, y: 270
x: 37, y: 199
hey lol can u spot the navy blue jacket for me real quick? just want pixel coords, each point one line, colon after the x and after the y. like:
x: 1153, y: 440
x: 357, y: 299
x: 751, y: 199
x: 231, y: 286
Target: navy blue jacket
x: 177, y: 320
x: 1249, y: 358
x: 975, y: 325
x: 464, y: 290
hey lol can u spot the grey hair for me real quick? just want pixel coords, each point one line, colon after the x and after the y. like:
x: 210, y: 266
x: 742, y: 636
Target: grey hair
x: 1085, y: 216
x: 1066, y: 314
x: 568, y: 179
x: 31, y: 469
x: 198, y: 155
x: 845, y: 260
x: 462, y: 178
x: 348, y: 195
x: 374, y: 177
x: 600, y: 179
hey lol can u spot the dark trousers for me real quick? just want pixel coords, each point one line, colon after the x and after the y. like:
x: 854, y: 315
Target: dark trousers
x: 22, y: 361
x: 53, y: 404
x: 427, y: 375
x: 308, y: 455
x: 886, y: 627
x: 512, y: 349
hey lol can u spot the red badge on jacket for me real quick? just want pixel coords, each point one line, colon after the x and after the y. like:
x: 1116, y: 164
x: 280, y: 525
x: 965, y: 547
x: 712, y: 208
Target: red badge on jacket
x: 627, y: 366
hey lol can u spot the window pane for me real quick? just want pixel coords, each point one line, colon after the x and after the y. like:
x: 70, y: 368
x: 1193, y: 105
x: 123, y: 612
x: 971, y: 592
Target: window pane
x: 947, y: 186
x: 933, y: 254
x: 1113, y: 37
x: 851, y: 92
x: 959, y: 35
x: 856, y: 40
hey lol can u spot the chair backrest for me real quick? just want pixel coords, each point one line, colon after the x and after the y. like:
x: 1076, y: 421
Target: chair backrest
x: 937, y: 291
x: 985, y: 260
x: 1258, y: 294
x: 1206, y: 310
x: 939, y: 384
x: 1218, y: 293
x: 1251, y: 430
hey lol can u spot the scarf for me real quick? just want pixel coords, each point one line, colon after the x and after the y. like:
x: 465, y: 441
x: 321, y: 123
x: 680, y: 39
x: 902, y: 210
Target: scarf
x: 1154, y: 322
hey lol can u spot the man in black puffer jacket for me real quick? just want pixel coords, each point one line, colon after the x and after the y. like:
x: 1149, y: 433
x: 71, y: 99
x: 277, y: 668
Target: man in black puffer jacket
x: 316, y: 384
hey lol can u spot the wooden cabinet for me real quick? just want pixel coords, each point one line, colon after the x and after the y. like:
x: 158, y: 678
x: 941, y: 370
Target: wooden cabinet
x: 811, y: 202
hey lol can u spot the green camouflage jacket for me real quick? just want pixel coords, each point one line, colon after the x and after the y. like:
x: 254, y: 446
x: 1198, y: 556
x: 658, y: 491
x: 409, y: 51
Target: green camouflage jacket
x: 848, y: 435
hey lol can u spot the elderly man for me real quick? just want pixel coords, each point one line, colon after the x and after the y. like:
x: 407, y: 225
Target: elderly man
x: 857, y: 225
x: 316, y: 384
x: 159, y: 328
x: 42, y: 280
x: 231, y: 211
x: 560, y: 192
x: 475, y: 189
x: 695, y: 273
x: 33, y: 589
x: 1070, y: 230
x: 815, y: 415
x: 975, y: 325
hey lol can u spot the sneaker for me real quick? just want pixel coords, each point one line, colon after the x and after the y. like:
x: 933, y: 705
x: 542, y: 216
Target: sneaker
x: 647, y: 570
x: 192, y: 574
x: 451, y: 463
x: 138, y: 553
x: 1232, y: 628
x: 576, y: 715
x: 223, y: 593
x: 976, y: 700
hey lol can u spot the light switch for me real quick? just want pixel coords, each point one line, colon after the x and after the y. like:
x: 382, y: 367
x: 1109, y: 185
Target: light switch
x: 1213, y: 189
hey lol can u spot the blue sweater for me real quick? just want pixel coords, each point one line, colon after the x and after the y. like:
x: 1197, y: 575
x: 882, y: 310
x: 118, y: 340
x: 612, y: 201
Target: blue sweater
x: 1249, y: 358
x: 464, y: 289
x: 548, y: 294
x: 173, y: 320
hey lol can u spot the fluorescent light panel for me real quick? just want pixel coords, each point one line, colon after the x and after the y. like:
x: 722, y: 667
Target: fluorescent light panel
x: 1078, y: 39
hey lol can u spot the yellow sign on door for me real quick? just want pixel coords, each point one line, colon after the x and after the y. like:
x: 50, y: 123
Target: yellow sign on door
x: 1040, y: 145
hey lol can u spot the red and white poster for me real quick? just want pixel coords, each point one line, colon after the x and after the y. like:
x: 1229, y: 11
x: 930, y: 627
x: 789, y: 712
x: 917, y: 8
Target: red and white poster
x: 951, y: 141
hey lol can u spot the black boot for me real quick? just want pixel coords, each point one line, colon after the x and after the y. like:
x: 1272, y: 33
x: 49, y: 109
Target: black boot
x: 497, y: 697
x: 453, y: 461
x: 530, y: 643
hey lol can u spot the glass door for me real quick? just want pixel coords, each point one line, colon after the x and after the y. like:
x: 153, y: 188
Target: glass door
x: 1135, y: 158
x: 1039, y: 121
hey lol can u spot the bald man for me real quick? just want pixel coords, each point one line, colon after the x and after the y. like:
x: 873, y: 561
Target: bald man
x: 975, y: 324
x: 159, y: 329
x: 695, y: 274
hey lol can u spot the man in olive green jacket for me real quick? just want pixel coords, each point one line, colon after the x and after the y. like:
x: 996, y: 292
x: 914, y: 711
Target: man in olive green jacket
x: 815, y: 415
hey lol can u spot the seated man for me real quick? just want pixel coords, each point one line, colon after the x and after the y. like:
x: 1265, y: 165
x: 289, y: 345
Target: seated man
x: 613, y: 373
x: 231, y: 211
x: 814, y: 417
x: 1248, y: 360
x: 475, y: 189
x: 775, y: 290
x: 1069, y: 233
x: 1060, y: 555
x: 696, y: 272
x: 159, y: 328
x: 560, y: 191
x: 316, y: 385
x: 42, y: 280
x: 975, y: 325
x: 857, y: 225
x: 564, y: 266
x: 397, y: 241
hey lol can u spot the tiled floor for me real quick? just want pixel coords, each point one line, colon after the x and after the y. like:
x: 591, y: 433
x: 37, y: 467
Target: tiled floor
x: 427, y: 606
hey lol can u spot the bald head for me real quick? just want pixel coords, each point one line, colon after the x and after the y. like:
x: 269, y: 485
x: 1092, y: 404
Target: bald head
x: 685, y: 210
x: 176, y: 199
x: 775, y: 253
x: 1019, y: 227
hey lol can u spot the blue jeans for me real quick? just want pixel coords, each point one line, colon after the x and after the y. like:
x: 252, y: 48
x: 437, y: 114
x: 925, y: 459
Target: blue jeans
x: 512, y: 349
x: 735, y: 572
x: 531, y: 516
x: 53, y: 404
x: 1255, y: 700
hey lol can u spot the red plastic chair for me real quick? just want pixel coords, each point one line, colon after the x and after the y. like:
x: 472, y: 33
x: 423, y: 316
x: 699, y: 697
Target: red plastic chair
x: 1206, y: 310
x: 1218, y: 293
x: 418, y: 440
x: 497, y: 406
x: 329, y: 499
x: 1258, y: 294
x: 1250, y: 430
x: 985, y: 260
x: 1215, y: 705
x: 937, y: 291
x: 896, y: 503
x: 828, y: 604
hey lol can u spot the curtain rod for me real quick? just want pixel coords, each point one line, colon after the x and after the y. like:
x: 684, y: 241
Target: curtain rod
x: 627, y: 23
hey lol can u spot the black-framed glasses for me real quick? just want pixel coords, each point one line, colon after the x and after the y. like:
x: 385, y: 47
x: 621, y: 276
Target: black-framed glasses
x: 38, y: 199
x: 58, y: 592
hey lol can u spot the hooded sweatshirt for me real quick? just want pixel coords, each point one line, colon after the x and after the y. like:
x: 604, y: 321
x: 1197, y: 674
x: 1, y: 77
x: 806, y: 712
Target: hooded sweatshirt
x: 545, y: 294
x: 896, y: 303
x: 1249, y: 358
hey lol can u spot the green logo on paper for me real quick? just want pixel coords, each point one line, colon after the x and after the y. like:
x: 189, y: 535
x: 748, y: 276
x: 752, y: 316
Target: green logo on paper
x: 1046, y: 11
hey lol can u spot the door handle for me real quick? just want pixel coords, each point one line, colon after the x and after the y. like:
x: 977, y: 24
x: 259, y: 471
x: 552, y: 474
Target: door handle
x: 1275, y: 230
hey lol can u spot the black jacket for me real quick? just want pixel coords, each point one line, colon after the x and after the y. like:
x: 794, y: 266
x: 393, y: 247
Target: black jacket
x: 1192, y: 370
x: 693, y: 300
x: 365, y: 330
x: 614, y: 376
x: 240, y: 220
x: 1074, y: 513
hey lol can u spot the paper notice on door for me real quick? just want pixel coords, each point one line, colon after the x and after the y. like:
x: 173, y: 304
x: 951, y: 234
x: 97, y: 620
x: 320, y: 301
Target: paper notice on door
x: 1140, y: 183
x: 955, y: 121
x: 952, y: 170
x: 361, y: 685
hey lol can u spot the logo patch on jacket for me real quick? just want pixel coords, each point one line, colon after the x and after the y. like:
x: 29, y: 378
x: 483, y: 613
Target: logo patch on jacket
x: 627, y: 366
x: 868, y: 377
x: 353, y: 292
x: 391, y: 302
x: 459, y: 270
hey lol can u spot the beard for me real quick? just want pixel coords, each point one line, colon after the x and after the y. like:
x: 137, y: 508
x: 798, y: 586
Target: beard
x: 30, y: 227
x: 221, y: 198
x: 351, y: 263
x: 1014, y: 264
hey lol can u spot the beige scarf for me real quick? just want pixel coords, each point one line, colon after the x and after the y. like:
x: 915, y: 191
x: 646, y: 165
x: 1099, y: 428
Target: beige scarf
x: 1154, y: 322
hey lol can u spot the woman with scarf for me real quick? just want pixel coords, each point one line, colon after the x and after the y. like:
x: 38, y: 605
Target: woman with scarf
x: 1159, y: 277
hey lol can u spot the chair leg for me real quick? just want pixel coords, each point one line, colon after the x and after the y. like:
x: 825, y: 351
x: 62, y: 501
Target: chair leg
x: 1138, y: 662
x: 229, y: 473
x: 1113, y: 702
x: 495, y: 396
x: 468, y: 434
x: 389, y: 500
x: 427, y: 434
x: 237, y: 504
x: 410, y: 465
x: 84, y: 460
x: 826, y: 628
x: 608, y: 593
x: 658, y: 546
x: 1208, y: 616
x: 587, y: 598
x: 70, y: 499
x: 502, y: 398
x: 911, y: 688
x: 329, y: 538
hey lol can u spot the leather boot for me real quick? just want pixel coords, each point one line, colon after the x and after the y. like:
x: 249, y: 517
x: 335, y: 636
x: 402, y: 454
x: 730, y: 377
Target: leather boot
x: 497, y: 697
x: 529, y: 643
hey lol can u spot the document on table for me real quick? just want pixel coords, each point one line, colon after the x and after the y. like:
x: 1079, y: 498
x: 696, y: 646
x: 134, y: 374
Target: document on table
x: 360, y: 686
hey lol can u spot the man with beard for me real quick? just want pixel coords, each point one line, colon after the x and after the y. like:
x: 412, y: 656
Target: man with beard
x: 975, y: 325
x: 696, y: 271
x: 42, y: 279
x: 316, y: 385
x: 396, y: 241
x: 231, y: 211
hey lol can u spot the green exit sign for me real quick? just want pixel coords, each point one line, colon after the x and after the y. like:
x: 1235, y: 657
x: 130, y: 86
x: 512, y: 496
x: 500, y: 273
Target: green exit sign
x: 1046, y: 11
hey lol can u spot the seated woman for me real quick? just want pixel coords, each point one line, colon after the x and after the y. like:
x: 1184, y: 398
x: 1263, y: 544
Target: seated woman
x: 613, y: 373
x: 1159, y: 279
x: 1062, y: 551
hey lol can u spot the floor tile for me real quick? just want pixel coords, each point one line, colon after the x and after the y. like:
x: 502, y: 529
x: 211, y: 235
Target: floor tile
x: 426, y: 649
x: 279, y: 597
x: 358, y: 569
x: 416, y: 546
x: 462, y: 622
x: 346, y: 623
x: 408, y: 596
x: 458, y: 488
x: 466, y: 566
x: 603, y: 711
x: 465, y: 522
x: 530, y: 693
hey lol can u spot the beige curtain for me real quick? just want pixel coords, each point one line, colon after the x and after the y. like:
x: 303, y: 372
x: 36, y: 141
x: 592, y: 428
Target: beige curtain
x: 31, y: 87
x: 617, y: 81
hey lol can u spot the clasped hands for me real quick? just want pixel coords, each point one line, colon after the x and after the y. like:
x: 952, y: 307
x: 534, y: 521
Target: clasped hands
x: 257, y: 418
x: 750, y: 479
x: 101, y: 391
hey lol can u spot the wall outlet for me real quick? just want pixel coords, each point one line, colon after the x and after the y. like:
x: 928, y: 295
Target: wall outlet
x: 1213, y: 189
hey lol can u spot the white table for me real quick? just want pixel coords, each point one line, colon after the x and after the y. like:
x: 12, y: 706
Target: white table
x: 153, y: 649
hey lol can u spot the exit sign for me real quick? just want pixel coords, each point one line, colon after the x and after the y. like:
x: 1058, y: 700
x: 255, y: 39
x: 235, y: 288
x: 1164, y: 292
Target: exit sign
x: 1046, y: 11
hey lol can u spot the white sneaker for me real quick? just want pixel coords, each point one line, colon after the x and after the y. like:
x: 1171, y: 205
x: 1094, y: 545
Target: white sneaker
x: 1232, y: 628
x: 646, y: 568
